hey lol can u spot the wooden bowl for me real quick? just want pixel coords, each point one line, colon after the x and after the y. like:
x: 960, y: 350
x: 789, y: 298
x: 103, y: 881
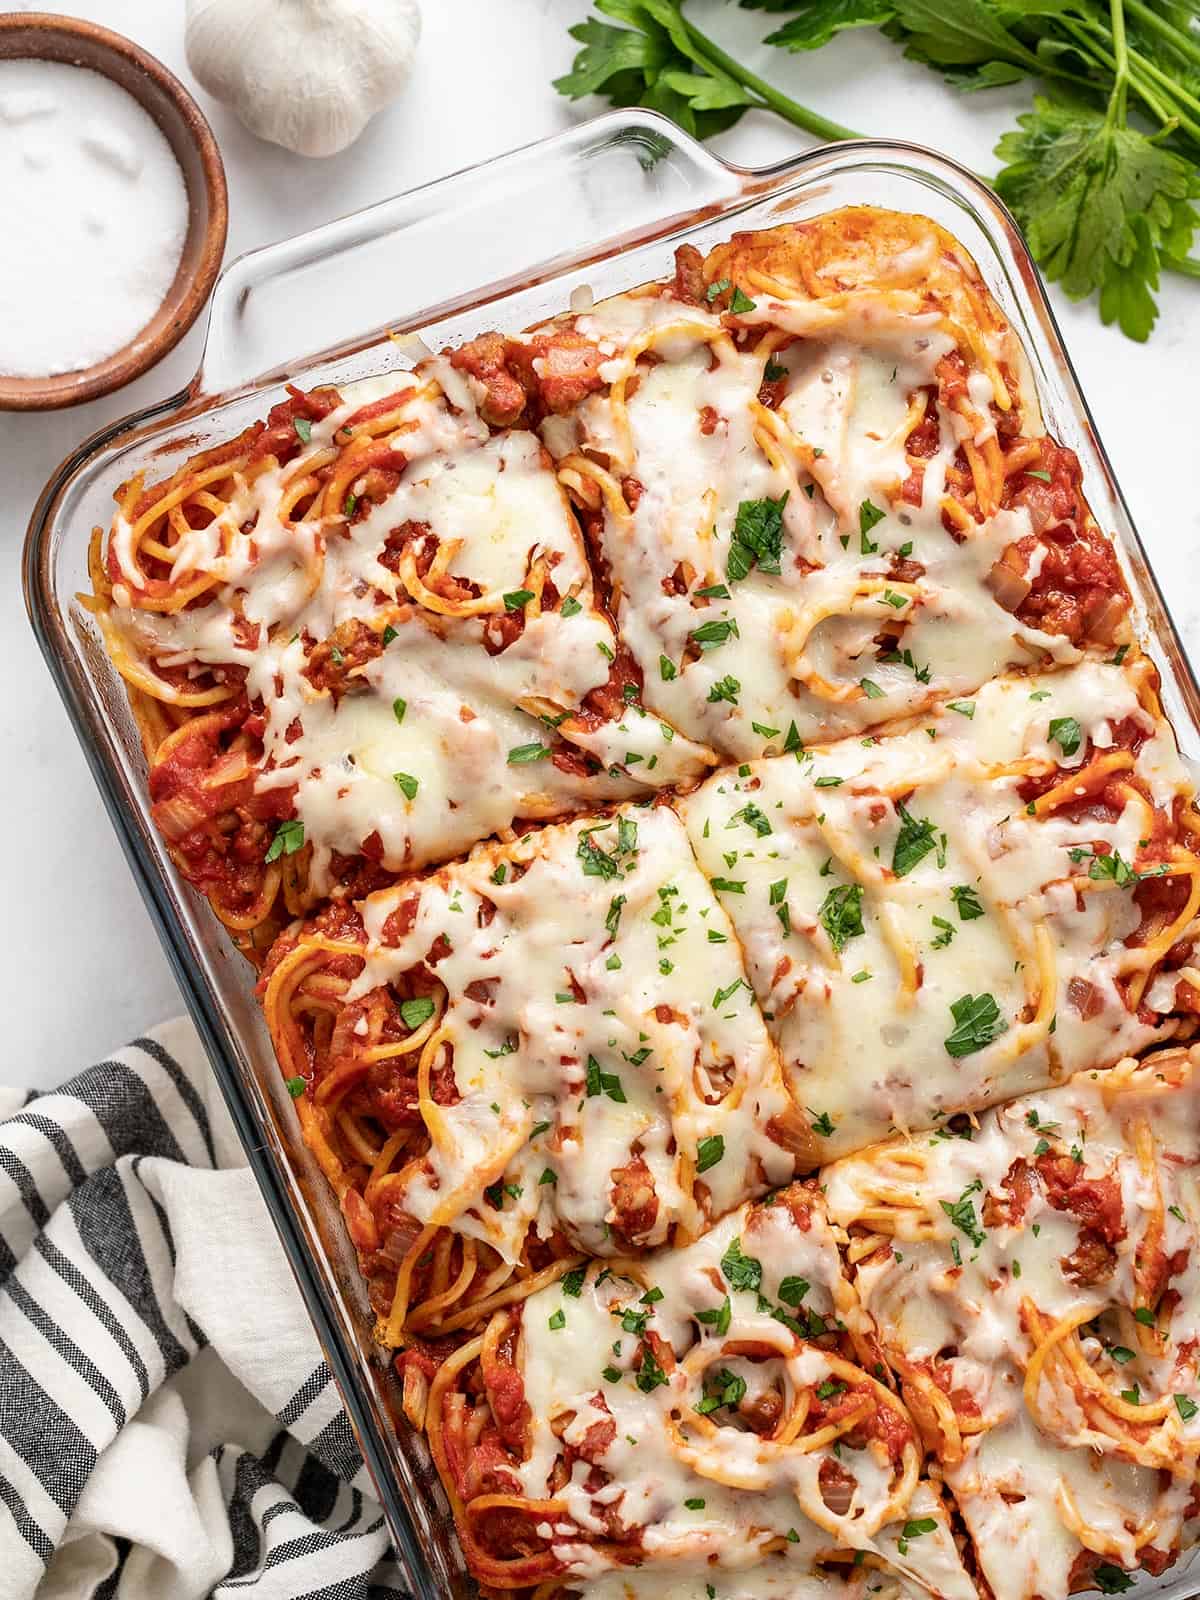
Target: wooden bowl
x: 40, y: 36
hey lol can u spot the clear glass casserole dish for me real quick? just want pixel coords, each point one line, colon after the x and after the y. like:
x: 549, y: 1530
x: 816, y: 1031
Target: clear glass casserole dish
x: 603, y: 205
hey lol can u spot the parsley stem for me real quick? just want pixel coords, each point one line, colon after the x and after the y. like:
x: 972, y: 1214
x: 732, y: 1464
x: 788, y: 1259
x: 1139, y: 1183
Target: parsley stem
x: 1117, y: 105
x: 1175, y: 37
x: 791, y: 110
x: 1151, y: 70
x: 1187, y: 265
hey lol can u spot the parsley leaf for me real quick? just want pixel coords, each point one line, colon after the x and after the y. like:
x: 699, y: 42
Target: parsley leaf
x: 662, y: 60
x: 841, y: 914
x: 978, y: 1023
x: 289, y: 836
x: 917, y: 837
x: 712, y: 635
x: 868, y: 515
x: 822, y: 19
x: 1101, y: 204
x: 757, y: 537
x: 967, y: 901
x: 741, y: 1271
x: 522, y: 754
x: 1066, y: 733
x: 709, y: 1151
x: 1111, y: 1580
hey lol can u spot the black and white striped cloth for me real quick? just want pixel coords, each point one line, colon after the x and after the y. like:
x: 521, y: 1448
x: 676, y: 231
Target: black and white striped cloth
x: 168, y: 1427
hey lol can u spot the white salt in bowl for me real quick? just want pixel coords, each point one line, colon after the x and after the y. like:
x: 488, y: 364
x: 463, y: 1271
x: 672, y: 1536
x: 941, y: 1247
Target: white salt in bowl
x: 38, y: 36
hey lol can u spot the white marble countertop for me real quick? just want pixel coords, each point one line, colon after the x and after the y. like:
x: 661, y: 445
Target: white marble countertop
x: 80, y: 966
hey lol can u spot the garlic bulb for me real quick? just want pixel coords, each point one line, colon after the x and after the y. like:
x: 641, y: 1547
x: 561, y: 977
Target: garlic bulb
x: 306, y: 74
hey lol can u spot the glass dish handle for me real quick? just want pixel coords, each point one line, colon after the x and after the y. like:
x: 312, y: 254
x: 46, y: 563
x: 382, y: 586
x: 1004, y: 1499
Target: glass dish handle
x: 626, y: 175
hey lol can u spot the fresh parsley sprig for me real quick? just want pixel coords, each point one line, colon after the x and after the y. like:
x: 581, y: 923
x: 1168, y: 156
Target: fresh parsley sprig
x: 1106, y: 203
x: 661, y: 60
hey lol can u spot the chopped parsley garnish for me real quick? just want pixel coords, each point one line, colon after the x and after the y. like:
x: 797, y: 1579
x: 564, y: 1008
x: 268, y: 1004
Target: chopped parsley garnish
x: 962, y: 1214
x: 977, y: 1022
x: 667, y: 669
x: 598, y: 863
x: 729, y: 885
x: 905, y: 659
x: 1121, y: 1353
x: 1186, y: 1408
x: 841, y: 914
x: 1111, y: 1580
x: 829, y: 782
x: 757, y: 538
x: 572, y: 1282
x: 522, y: 754
x: 1144, y: 1315
x: 416, y: 1011
x: 717, y: 287
x: 915, y: 1527
x: 613, y: 920
x: 967, y: 902
x: 709, y: 1151
x: 389, y: 633
x: 558, y: 1320
x: 714, y: 591
x: 349, y: 504
x: 1066, y: 733
x: 793, y: 1290
x: 870, y: 689
x: 727, y: 688
x: 945, y: 935
x: 650, y: 1373
x: 1112, y: 866
x: 965, y: 708
x: 868, y: 516
x: 570, y: 606
x: 754, y: 818
x: 772, y: 372
x: 517, y: 599
x: 600, y: 1082
x: 289, y: 836
x: 917, y: 837
x: 295, y: 1087
x: 740, y: 303
x: 718, y: 1319
x: 712, y: 635
x: 407, y: 784
x: 725, y: 1389
x: 822, y: 1123
x: 741, y: 1271
x: 694, y: 1505
x: 303, y: 428
x: 719, y: 999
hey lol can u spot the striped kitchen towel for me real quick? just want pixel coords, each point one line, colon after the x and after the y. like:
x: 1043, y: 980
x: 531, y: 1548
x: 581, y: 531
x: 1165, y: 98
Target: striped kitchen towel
x: 168, y: 1427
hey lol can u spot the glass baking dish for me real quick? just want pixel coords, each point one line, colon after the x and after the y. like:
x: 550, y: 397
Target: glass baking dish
x: 501, y: 245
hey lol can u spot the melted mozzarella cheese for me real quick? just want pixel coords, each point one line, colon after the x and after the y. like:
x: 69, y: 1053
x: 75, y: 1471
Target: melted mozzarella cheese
x: 599, y: 1012
x: 852, y: 876
x: 709, y: 1499
x: 435, y: 777
x: 958, y: 1274
x: 793, y: 642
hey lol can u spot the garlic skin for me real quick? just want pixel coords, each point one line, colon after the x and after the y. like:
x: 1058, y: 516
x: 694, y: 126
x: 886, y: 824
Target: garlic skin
x: 306, y: 74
